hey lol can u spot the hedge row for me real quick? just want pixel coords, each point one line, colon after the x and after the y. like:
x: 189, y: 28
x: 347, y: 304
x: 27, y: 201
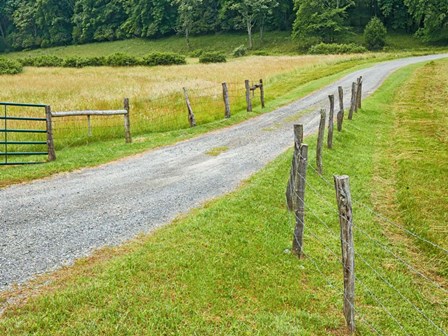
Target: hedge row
x: 10, y: 67
x: 118, y: 59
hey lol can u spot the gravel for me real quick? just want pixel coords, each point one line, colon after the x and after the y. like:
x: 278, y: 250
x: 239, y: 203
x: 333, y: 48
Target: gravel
x: 52, y: 222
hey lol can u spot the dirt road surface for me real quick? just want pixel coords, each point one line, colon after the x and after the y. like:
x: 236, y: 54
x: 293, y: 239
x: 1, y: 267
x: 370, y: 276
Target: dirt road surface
x: 52, y: 222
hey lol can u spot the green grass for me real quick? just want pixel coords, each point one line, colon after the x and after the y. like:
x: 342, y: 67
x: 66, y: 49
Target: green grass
x: 226, y: 269
x: 280, y: 90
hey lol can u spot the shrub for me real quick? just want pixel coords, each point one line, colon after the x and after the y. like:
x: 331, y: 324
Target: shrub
x: 333, y: 48
x: 260, y: 53
x: 213, y: 57
x: 73, y: 62
x: 95, y: 61
x: 163, y: 59
x: 120, y: 59
x: 10, y: 67
x: 240, y: 51
x: 375, y: 34
x: 42, y: 61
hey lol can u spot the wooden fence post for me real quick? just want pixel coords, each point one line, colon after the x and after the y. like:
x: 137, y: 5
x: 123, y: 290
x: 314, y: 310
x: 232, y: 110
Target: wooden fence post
x: 262, y: 93
x: 352, y: 102
x: 320, y: 141
x: 340, y: 116
x: 300, y: 181
x: 331, y: 122
x: 225, y: 94
x: 50, y: 140
x: 359, y: 93
x: 298, y: 140
x: 191, y: 118
x: 89, y: 125
x: 127, y: 121
x: 343, y: 198
x: 248, y: 97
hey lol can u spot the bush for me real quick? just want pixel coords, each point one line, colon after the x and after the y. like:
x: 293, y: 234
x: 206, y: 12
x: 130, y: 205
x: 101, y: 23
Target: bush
x: 42, y: 61
x: 240, y: 51
x: 10, y: 67
x: 120, y: 59
x: 214, y: 57
x: 163, y: 59
x: 375, y: 34
x: 333, y: 48
x: 73, y: 62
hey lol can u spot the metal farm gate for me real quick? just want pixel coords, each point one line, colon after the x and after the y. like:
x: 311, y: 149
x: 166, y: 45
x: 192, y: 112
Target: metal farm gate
x: 24, y: 137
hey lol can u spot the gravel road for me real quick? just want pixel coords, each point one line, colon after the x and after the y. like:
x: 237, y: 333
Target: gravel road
x: 52, y: 222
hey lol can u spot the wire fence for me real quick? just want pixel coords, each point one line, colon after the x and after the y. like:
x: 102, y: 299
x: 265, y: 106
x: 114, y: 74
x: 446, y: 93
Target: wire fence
x: 395, y: 293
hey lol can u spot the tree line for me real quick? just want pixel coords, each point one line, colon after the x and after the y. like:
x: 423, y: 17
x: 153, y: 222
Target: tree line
x: 26, y: 24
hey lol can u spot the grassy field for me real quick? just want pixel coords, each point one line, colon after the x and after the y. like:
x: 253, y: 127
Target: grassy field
x: 157, y: 103
x: 226, y: 269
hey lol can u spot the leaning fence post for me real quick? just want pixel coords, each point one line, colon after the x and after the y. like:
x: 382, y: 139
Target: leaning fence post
x: 320, y: 141
x: 225, y: 94
x: 353, y: 102
x: 50, y: 140
x: 343, y: 198
x: 300, y: 181
x: 191, y: 118
x: 262, y: 93
x: 248, y: 98
x: 331, y: 122
x: 359, y: 93
x: 340, y: 116
x: 127, y: 122
x: 298, y: 140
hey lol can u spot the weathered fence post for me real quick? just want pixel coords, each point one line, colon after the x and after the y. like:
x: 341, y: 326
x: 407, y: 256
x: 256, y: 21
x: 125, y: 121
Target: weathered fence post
x: 343, y: 198
x: 127, y: 121
x: 320, y: 141
x: 191, y: 118
x: 50, y: 140
x: 352, y: 102
x: 340, y: 116
x: 225, y: 94
x: 359, y: 94
x: 89, y: 126
x: 262, y: 93
x: 299, y: 194
x: 331, y: 122
x: 298, y: 140
x: 248, y: 98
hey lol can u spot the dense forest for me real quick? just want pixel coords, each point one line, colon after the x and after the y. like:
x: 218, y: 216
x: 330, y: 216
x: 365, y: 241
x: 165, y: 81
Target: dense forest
x: 26, y: 24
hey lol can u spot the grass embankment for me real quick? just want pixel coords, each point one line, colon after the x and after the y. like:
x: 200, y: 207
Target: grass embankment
x: 286, y: 78
x: 225, y: 269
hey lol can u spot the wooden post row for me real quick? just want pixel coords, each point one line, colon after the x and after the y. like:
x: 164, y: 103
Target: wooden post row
x: 330, y: 123
x: 320, y: 141
x: 225, y: 94
x: 127, y: 121
x: 248, y: 97
x: 191, y: 118
x: 340, y: 117
x: 344, y: 201
x: 298, y: 140
x: 50, y: 139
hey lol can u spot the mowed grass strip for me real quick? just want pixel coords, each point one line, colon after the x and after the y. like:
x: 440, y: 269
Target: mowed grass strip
x: 226, y: 269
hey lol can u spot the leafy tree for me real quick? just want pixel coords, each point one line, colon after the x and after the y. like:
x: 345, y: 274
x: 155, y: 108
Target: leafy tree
x: 432, y: 17
x: 320, y: 20
x: 54, y: 21
x: 251, y: 12
x: 375, y: 34
x: 189, y: 12
x: 150, y: 18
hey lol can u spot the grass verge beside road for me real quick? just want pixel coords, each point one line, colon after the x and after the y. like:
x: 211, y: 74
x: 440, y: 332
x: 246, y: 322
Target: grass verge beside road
x: 226, y: 269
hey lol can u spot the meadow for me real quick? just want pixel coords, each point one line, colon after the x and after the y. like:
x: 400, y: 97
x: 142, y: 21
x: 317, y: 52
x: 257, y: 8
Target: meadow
x: 226, y: 269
